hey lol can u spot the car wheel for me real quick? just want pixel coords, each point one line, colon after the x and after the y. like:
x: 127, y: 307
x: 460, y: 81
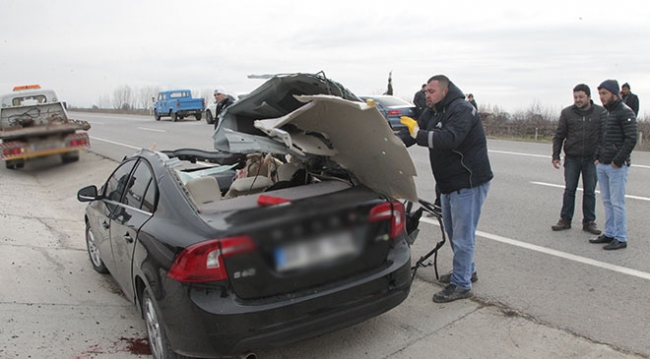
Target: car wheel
x: 160, y: 347
x: 208, y: 117
x: 93, y: 251
x: 198, y: 117
x: 173, y: 116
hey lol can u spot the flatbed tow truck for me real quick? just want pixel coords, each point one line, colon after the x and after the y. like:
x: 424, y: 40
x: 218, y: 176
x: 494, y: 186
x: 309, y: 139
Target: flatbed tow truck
x: 34, y: 123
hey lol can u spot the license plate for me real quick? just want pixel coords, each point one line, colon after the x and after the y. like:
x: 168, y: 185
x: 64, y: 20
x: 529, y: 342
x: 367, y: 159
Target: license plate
x: 314, y: 252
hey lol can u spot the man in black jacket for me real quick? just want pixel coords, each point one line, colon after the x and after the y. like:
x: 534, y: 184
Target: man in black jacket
x: 452, y: 131
x: 223, y: 101
x: 613, y: 162
x: 630, y: 99
x: 579, y: 130
x: 420, y: 101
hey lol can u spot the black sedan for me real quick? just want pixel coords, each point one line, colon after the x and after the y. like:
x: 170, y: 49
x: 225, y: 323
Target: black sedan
x: 288, y: 235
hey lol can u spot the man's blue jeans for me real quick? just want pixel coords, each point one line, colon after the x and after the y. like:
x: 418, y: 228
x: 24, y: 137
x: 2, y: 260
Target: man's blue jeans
x: 460, y: 214
x: 612, y: 190
x: 573, y: 167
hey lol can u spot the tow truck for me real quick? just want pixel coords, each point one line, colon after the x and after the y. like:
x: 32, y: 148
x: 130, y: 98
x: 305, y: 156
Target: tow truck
x: 35, y: 123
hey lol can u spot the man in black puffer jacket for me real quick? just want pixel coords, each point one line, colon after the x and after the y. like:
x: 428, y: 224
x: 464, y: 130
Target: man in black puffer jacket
x: 579, y: 129
x: 613, y: 162
x: 452, y: 131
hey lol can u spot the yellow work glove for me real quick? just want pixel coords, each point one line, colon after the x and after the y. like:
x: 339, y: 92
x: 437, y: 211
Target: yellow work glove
x: 411, y: 124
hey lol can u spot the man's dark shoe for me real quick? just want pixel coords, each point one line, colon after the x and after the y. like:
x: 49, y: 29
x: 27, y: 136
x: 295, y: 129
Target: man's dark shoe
x: 615, y: 244
x: 601, y: 239
x: 562, y: 224
x: 446, y: 278
x: 591, y: 228
x: 451, y: 293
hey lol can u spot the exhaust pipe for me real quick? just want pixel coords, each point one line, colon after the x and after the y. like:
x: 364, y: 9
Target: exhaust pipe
x: 249, y: 355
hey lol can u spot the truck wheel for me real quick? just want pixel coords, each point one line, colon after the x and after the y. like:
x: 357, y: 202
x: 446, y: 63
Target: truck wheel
x: 208, y: 117
x: 70, y: 157
x: 156, y: 115
x: 173, y: 116
x: 15, y: 164
x: 197, y: 117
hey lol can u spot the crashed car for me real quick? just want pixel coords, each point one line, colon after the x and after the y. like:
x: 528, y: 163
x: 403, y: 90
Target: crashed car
x: 292, y: 228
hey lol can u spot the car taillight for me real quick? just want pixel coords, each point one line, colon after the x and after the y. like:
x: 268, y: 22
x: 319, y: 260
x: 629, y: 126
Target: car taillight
x: 203, y: 262
x: 390, y: 210
x: 394, y: 112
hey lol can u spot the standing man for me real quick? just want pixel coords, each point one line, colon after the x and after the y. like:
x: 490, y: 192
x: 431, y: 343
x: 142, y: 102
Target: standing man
x: 420, y: 101
x: 612, y: 164
x: 579, y: 130
x: 452, y: 131
x: 630, y: 99
x: 471, y: 100
x: 223, y: 101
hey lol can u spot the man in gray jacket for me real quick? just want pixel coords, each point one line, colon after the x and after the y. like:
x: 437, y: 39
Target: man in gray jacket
x: 579, y: 130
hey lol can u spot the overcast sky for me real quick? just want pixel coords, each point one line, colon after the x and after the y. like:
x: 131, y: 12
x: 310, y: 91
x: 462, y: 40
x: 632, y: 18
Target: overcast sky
x: 512, y: 54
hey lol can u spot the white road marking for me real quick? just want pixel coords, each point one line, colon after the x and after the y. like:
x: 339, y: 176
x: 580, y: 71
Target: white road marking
x: 544, y: 156
x: 151, y: 129
x: 580, y: 189
x: 555, y: 253
x: 519, y: 154
x: 115, y: 143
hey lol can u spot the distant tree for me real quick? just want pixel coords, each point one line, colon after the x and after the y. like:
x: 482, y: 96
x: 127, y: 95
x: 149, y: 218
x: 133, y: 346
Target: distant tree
x: 121, y: 96
x: 104, y: 101
x: 145, y: 94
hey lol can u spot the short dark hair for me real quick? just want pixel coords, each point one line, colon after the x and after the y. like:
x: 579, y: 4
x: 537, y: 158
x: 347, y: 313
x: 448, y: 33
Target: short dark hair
x: 626, y: 85
x: 582, y: 87
x: 442, y: 79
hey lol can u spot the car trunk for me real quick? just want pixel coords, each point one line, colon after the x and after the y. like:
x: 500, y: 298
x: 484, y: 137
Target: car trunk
x: 310, y: 242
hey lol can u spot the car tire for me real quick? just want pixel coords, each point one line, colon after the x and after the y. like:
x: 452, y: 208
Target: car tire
x: 198, y: 117
x: 208, y: 117
x: 156, y: 115
x: 158, y: 342
x: 173, y: 116
x: 93, y: 251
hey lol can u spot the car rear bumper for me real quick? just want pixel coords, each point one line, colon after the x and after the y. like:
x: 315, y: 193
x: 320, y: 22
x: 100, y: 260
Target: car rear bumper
x: 215, y: 323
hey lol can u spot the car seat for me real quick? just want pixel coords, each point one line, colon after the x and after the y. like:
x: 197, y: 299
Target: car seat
x: 203, y: 190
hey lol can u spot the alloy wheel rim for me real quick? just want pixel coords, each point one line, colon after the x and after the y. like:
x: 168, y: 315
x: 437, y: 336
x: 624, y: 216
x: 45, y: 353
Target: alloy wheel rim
x: 92, y: 249
x: 153, y: 329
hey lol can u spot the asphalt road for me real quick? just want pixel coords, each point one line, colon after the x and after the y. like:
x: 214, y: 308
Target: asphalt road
x: 555, y: 281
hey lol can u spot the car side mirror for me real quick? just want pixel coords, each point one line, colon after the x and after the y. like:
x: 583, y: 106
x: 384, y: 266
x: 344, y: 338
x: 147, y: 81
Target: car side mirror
x: 88, y: 194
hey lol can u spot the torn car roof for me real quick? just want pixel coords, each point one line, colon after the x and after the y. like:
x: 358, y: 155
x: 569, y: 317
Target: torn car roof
x: 307, y: 115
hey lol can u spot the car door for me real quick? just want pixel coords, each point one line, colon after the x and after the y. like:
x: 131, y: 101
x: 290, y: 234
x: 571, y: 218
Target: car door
x: 100, y: 223
x: 136, y: 207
